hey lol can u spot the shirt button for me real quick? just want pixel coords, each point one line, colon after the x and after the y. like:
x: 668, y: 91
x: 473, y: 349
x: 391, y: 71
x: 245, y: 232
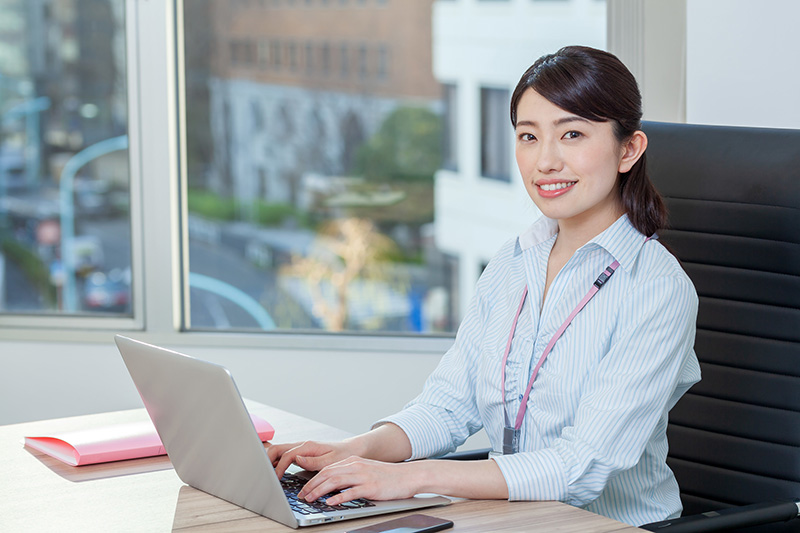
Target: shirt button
x: 520, y: 397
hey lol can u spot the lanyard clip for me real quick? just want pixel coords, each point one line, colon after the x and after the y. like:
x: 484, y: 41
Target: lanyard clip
x: 602, y: 278
x: 510, y: 441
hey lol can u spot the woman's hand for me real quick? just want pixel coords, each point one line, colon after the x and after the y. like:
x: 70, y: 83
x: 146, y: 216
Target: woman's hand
x: 309, y: 455
x: 365, y: 478
x: 385, y: 443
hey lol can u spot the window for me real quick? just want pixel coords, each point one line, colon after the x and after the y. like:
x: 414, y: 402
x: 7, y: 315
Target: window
x: 276, y: 54
x: 263, y: 53
x: 363, y: 65
x: 495, y: 134
x: 309, y: 54
x: 293, y: 61
x: 323, y: 225
x: 450, y: 122
x: 65, y: 226
x: 344, y: 60
x: 325, y: 58
x: 383, y: 62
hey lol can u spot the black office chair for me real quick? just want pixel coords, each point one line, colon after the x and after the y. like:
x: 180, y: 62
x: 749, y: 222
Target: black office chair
x: 734, y: 200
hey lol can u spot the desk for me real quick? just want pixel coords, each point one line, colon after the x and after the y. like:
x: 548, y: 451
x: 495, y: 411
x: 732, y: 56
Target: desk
x: 38, y: 493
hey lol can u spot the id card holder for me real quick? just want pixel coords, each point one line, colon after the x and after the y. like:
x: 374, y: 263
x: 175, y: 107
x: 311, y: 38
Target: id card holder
x: 510, y: 441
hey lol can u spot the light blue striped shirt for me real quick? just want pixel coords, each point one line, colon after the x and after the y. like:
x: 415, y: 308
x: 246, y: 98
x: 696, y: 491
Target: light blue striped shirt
x: 594, y: 433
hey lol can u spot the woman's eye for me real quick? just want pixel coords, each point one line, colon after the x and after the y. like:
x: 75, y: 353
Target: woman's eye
x: 526, y: 137
x: 572, y: 135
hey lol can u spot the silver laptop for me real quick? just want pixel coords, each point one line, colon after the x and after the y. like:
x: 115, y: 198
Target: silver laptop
x: 211, y: 441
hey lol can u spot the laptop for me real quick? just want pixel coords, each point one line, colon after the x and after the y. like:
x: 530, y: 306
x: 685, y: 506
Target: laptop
x: 210, y: 439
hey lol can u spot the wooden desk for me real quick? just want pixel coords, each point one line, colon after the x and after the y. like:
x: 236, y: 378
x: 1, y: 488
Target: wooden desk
x: 38, y: 493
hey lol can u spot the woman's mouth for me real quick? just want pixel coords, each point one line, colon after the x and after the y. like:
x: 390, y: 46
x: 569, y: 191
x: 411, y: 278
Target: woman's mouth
x: 551, y: 190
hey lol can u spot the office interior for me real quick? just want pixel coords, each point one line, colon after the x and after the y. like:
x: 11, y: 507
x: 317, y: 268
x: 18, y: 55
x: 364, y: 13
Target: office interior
x: 721, y: 62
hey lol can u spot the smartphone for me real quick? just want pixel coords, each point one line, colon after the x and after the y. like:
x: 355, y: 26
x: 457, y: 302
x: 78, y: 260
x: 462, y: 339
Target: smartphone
x: 415, y: 523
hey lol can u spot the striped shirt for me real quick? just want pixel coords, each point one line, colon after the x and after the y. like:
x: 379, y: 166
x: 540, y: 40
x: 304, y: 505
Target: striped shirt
x: 594, y: 433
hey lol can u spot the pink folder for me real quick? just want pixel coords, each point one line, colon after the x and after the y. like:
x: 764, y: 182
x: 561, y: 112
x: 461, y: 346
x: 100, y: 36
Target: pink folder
x: 114, y: 443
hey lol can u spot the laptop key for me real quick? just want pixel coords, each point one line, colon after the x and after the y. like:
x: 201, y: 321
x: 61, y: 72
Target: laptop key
x: 351, y: 505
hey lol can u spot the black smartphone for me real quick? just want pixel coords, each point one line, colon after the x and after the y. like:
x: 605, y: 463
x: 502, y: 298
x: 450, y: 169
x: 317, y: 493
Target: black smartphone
x: 415, y: 523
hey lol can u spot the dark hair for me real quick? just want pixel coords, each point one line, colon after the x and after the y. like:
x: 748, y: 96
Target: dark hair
x: 595, y: 85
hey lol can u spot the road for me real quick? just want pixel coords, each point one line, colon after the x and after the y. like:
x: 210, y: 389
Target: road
x: 207, y: 310
x: 221, y: 262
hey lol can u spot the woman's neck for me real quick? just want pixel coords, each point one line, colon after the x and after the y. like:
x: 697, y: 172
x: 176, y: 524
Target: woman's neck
x: 571, y: 237
x: 574, y: 233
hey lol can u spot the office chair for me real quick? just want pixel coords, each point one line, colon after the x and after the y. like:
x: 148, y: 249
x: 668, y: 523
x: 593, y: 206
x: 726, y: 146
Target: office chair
x: 734, y: 200
x: 733, y: 196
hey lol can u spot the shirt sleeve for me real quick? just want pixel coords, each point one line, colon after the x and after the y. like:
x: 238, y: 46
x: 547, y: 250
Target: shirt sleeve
x: 446, y: 412
x: 649, y: 365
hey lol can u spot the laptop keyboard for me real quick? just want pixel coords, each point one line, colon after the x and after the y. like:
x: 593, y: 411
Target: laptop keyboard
x: 291, y: 486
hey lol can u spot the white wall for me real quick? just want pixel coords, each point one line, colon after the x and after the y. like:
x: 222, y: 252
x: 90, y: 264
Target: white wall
x: 742, y: 63
x: 346, y: 389
x: 649, y: 36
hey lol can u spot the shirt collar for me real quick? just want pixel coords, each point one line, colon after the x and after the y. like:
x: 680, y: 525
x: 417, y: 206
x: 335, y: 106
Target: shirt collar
x: 541, y: 230
x: 621, y: 239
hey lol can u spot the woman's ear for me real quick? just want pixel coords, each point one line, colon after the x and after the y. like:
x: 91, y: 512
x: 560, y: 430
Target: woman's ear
x: 633, y: 149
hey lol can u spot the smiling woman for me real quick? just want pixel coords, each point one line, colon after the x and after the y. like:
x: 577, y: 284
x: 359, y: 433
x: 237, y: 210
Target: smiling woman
x: 573, y: 86
x: 592, y: 431
x: 570, y: 165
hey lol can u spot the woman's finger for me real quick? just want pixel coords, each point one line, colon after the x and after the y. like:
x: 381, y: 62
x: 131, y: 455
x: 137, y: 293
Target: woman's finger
x: 316, y: 455
x: 332, y: 483
x: 275, y: 451
x: 353, y: 493
x: 321, y: 477
x: 288, y: 457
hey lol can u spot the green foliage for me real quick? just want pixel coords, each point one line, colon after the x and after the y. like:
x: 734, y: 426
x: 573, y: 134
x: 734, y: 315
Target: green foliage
x: 400, y: 255
x: 32, y: 266
x: 273, y: 214
x: 212, y: 206
x: 407, y: 147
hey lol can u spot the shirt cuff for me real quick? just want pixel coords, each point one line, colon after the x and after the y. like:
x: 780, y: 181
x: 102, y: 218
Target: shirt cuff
x: 428, y: 435
x: 537, y: 475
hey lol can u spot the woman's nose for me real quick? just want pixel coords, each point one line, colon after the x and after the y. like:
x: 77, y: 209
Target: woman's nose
x: 549, y: 158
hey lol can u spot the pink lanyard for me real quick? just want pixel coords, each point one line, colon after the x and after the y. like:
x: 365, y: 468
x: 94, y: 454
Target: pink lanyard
x: 524, y: 405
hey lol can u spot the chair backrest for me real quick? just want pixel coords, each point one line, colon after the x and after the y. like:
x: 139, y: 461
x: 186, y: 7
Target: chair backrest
x: 734, y: 201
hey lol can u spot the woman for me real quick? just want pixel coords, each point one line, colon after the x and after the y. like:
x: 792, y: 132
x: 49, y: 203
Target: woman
x: 572, y: 383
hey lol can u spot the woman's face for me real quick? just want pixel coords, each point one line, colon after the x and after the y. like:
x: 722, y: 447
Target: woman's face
x: 570, y: 165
